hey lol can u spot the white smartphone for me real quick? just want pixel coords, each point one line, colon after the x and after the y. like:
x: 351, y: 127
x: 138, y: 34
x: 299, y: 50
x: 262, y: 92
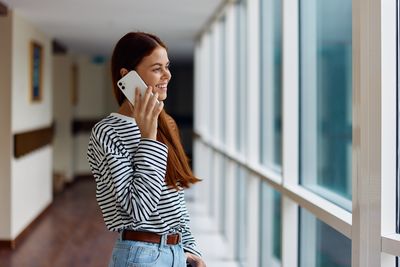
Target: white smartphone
x: 129, y: 83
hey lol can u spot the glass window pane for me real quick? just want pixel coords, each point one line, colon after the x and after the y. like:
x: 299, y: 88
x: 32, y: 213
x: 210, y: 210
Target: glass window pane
x: 210, y: 187
x: 325, y: 98
x: 222, y: 194
x: 241, y: 216
x: 270, y: 226
x: 321, y: 245
x: 211, y: 89
x: 271, y: 84
x: 241, y: 68
x: 222, y: 86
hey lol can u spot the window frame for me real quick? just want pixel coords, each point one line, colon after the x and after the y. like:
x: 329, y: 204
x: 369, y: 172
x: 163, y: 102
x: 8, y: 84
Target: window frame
x: 374, y: 131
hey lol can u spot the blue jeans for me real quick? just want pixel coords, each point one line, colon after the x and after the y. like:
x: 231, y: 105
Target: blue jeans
x: 128, y: 253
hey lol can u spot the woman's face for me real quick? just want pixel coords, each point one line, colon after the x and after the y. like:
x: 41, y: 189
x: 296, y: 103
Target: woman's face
x: 154, y: 70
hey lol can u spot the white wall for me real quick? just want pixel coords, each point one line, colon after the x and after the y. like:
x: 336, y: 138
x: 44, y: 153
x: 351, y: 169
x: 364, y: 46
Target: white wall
x: 63, y: 116
x: 91, y: 89
x: 26, y: 182
x: 31, y: 182
x: 91, y: 105
x: 28, y: 115
x: 5, y: 129
x: 95, y: 100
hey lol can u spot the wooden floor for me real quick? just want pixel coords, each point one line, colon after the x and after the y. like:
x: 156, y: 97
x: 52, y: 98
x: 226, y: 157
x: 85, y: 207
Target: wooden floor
x: 72, y: 233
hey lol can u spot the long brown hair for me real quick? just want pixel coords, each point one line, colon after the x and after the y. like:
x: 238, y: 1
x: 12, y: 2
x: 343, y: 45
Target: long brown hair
x: 128, y: 53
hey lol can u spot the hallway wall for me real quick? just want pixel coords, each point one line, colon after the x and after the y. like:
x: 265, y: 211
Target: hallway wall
x: 31, y: 175
x: 93, y: 100
x: 91, y: 105
x: 63, y: 116
x: 5, y: 129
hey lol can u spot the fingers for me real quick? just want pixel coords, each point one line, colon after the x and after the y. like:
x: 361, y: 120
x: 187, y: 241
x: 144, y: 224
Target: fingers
x: 148, y: 104
x: 148, y: 95
x: 147, y: 107
x: 152, y: 102
x: 157, y: 110
x: 137, y: 99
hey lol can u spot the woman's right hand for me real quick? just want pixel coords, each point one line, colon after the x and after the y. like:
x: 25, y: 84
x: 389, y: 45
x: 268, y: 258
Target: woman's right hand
x: 146, y: 112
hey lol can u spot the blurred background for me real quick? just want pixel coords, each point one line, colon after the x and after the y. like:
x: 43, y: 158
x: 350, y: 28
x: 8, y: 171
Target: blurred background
x: 277, y: 112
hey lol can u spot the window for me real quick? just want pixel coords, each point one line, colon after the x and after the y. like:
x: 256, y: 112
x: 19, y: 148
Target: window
x: 222, y: 49
x: 270, y: 226
x: 222, y: 195
x: 306, y: 83
x: 326, y: 98
x: 241, y: 215
x: 211, y: 77
x: 321, y: 245
x: 241, y: 68
x: 271, y: 84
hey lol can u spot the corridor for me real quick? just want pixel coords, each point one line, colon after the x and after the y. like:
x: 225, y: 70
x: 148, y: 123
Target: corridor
x: 71, y: 233
x: 288, y: 112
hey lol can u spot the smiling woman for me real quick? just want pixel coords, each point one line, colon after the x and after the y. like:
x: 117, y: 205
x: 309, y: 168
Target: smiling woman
x: 139, y: 164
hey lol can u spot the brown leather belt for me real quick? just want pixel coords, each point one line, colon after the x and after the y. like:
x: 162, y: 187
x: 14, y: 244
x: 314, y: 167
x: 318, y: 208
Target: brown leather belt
x: 172, y: 239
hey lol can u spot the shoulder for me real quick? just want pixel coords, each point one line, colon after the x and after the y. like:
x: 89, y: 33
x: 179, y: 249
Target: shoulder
x: 103, y: 128
x: 112, y: 124
x: 114, y: 131
x: 106, y: 129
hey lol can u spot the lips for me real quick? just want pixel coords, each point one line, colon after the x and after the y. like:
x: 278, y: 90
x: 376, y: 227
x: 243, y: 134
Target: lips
x: 162, y: 86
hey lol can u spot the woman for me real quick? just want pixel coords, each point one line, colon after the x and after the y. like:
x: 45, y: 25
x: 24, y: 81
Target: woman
x: 140, y: 166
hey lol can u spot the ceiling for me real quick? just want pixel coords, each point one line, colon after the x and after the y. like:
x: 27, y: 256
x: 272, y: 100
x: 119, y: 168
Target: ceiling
x: 93, y: 27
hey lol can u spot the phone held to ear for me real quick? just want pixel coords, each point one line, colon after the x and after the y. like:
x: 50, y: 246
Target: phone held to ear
x: 129, y: 83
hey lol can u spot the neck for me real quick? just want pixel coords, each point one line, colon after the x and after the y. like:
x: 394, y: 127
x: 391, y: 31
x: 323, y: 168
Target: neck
x: 126, y: 109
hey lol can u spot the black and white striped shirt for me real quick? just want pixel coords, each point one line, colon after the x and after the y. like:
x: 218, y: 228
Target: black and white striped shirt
x: 131, y: 191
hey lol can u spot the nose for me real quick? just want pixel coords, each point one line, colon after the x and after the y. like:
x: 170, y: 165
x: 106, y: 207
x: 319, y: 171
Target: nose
x: 167, y: 74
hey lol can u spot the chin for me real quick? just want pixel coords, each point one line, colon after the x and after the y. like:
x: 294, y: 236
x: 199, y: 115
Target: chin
x: 162, y: 97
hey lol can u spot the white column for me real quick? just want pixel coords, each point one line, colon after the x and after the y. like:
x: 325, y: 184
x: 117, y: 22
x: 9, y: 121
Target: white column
x: 367, y: 166
x: 216, y: 84
x: 389, y: 114
x: 290, y: 95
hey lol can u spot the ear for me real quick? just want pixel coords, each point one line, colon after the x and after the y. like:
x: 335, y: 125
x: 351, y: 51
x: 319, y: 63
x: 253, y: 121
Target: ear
x: 123, y: 72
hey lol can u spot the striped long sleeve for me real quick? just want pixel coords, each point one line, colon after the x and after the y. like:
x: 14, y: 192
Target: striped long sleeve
x: 128, y: 189
x: 130, y: 181
x: 188, y: 241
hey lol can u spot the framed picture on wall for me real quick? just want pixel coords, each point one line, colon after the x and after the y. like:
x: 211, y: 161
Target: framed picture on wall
x: 36, y: 59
